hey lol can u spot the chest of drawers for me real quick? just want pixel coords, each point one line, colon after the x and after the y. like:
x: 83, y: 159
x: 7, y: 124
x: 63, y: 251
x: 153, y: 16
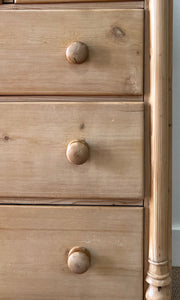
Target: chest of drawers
x: 85, y: 150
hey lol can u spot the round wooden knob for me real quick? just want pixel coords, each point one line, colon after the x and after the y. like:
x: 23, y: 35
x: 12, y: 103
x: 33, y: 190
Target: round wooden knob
x: 79, y: 260
x: 77, y: 53
x: 77, y: 152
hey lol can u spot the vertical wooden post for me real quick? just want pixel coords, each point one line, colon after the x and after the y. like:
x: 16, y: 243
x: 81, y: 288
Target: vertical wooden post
x: 158, y: 276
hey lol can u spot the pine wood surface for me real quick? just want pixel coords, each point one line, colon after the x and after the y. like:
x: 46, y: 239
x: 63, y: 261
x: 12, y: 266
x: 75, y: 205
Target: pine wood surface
x: 33, y: 147
x: 147, y: 144
x: 35, y: 242
x: 71, y: 201
x: 158, y: 135
x: 71, y: 98
x: 38, y: 65
x: 160, y: 85
x: 81, y: 3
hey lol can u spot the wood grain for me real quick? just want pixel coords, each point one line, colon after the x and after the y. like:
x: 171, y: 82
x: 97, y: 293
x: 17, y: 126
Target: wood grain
x: 147, y: 143
x: 79, y: 260
x: 35, y: 242
x: 71, y: 98
x: 34, y: 139
x: 77, y: 152
x: 160, y: 93
x: 77, y: 5
x: 77, y: 53
x: 126, y: 3
x: 170, y: 57
x: 71, y: 201
x: 38, y: 64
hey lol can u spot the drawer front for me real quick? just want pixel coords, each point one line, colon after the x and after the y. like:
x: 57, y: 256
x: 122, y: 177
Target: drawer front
x: 35, y: 138
x: 35, y: 242
x: 33, y: 46
x: 133, y: 3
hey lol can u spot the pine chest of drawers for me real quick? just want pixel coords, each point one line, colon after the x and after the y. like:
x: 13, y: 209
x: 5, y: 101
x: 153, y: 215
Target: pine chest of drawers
x: 85, y: 150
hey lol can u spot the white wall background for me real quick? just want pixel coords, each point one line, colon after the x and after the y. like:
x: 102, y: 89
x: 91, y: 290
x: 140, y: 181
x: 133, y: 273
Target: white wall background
x: 176, y: 135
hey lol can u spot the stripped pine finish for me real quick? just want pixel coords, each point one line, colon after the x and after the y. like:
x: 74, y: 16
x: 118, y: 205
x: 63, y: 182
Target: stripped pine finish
x: 34, y: 140
x: 38, y: 64
x: 35, y: 242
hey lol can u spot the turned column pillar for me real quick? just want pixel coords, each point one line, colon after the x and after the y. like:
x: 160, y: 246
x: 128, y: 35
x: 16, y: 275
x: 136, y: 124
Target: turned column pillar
x: 158, y: 276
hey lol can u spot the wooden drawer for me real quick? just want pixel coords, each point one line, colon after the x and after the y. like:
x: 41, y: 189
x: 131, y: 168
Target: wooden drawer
x: 34, y: 140
x: 33, y: 47
x: 137, y: 2
x: 34, y: 245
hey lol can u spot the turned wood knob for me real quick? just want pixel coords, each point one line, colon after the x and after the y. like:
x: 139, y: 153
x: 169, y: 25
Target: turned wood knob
x: 77, y: 152
x: 77, y: 53
x: 79, y: 260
